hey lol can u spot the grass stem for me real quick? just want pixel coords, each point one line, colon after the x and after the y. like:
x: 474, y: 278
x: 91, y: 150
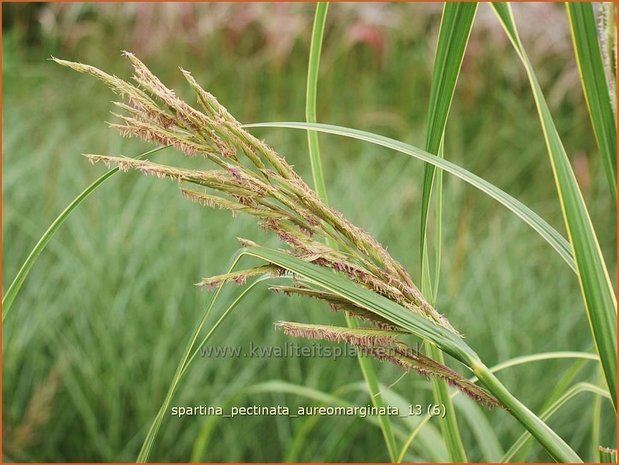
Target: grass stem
x: 369, y: 374
x: 551, y: 441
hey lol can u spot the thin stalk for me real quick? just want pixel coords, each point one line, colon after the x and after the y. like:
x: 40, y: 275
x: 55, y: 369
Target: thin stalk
x: 551, y: 441
x: 190, y: 352
x: 369, y: 374
x: 310, y: 100
x: 448, y: 423
x: 523, y: 360
x: 552, y: 409
x: 419, y: 326
x: 22, y: 274
x: 371, y: 381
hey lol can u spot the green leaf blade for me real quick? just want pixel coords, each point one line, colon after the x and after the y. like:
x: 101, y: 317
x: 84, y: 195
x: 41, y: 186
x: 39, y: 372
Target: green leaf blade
x: 334, y: 282
x: 417, y: 325
x: 547, y: 232
x: 15, y: 286
x: 596, y: 288
x: 455, y: 29
x: 311, y: 96
x: 595, y: 86
x: 456, y: 25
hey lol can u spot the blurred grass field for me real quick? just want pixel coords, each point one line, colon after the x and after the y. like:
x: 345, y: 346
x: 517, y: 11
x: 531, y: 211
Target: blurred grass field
x: 98, y: 329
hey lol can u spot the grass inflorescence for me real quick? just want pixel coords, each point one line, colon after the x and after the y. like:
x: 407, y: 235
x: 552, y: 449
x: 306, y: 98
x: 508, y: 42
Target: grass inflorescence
x: 250, y: 177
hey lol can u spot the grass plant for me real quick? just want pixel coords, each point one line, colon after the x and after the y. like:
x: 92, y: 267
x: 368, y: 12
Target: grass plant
x: 323, y: 256
x: 255, y: 180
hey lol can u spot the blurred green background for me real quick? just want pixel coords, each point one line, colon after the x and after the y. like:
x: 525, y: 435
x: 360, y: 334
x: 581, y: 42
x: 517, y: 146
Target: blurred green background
x: 95, y: 335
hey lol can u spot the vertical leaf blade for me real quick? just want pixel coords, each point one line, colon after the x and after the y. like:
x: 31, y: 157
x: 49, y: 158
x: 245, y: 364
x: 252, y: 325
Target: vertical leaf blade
x: 456, y: 24
x: 455, y: 29
x: 595, y: 85
x: 318, y: 29
x: 596, y: 288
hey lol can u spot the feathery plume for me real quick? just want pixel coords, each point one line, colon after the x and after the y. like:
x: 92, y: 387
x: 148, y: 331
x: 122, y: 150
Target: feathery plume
x: 250, y: 177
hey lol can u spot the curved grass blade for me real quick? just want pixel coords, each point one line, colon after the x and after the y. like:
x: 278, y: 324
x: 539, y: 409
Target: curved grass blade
x: 478, y: 424
x: 417, y: 325
x: 340, y: 285
x: 547, y: 413
x: 412, y: 436
x: 273, y: 386
x: 547, y: 232
x: 560, y: 387
x: 191, y: 350
x: 22, y: 274
x: 596, y: 288
x: 595, y: 86
x: 551, y: 441
x: 455, y: 28
x: 523, y: 360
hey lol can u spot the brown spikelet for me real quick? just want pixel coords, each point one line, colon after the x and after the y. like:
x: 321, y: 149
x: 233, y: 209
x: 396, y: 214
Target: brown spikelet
x: 117, y: 85
x: 147, y: 113
x: 361, y: 337
x: 388, y: 354
x: 426, y: 366
x: 208, y: 102
x: 287, y: 234
x: 241, y: 205
x: 365, y: 315
x: 337, y: 303
x: 145, y: 167
x: 239, y: 277
x: 149, y: 131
